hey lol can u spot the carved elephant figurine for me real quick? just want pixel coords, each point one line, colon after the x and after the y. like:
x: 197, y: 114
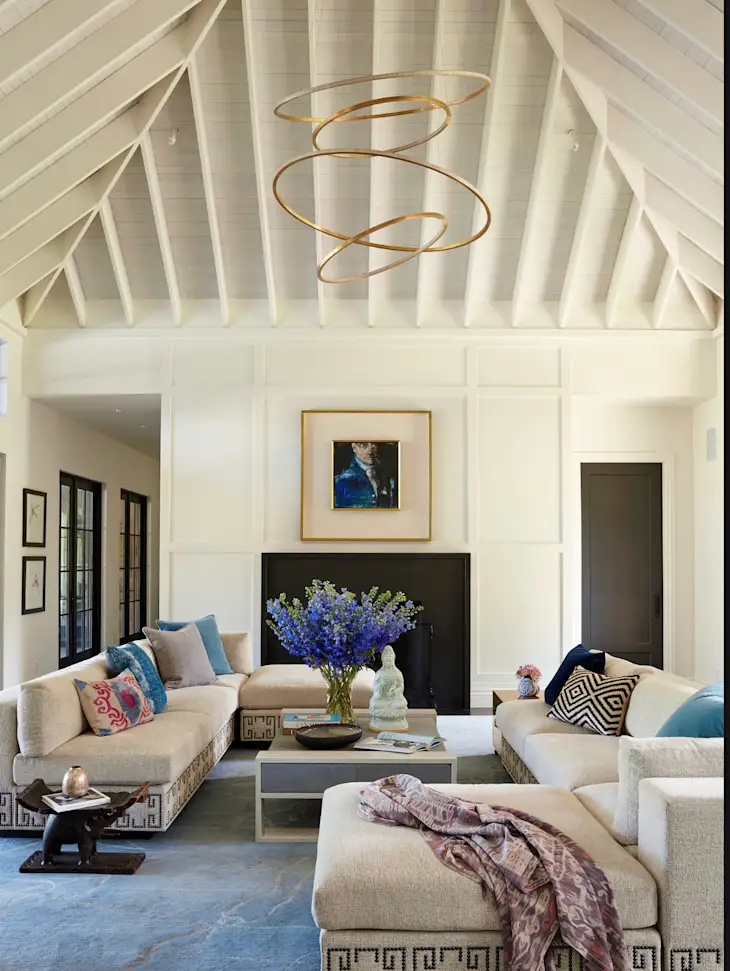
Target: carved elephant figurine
x: 72, y: 828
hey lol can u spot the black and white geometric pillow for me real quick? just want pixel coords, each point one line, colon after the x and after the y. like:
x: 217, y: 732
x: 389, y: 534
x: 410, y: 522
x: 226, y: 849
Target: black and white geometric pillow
x: 594, y: 701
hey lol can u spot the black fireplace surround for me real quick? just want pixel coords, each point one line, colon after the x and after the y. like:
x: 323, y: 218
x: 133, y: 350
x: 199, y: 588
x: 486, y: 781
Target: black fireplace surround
x: 434, y: 657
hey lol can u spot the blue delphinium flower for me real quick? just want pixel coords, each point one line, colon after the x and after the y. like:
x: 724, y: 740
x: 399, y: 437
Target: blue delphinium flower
x: 336, y: 630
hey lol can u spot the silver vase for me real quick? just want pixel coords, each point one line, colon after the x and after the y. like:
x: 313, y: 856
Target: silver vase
x: 75, y: 782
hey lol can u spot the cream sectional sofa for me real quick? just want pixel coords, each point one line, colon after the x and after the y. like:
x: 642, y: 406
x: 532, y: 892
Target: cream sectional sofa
x: 538, y: 749
x: 43, y: 731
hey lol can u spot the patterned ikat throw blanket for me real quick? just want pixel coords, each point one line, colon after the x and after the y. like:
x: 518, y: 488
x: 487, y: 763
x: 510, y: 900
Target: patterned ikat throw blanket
x: 546, y: 887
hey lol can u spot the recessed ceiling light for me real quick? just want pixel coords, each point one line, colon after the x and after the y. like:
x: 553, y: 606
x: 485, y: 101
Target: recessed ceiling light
x: 118, y: 411
x: 142, y: 426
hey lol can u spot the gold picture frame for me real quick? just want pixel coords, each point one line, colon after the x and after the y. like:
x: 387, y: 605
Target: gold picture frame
x: 322, y: 520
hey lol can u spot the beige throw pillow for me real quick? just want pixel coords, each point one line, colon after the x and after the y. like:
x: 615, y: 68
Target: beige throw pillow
x: 181, y: 656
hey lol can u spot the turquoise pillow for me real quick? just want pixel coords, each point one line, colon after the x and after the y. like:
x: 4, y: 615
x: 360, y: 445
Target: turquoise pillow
x: 211, y: 637
x: 133, y: 657
x: 701, y: 716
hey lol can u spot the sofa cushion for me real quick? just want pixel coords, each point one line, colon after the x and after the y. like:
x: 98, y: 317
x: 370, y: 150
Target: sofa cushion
x: 519, y: 719
x: 572, y: 761
x: 652, y: 701
x: 49, y: 710
x: 216, y: 706
x: 181, y: 657
x: 211, y: 637
x: 590, y: 660
x: 600, y: 801
x: 617, y: 667
x: 239, y: 651
x: 144, y: 669
x: 652, y: 758
x: 8, y: 734
x: 158, y: 752
x: 594, y: 701
x: 298, y: 686
x: 701, y: 716
x: 386, y: 877
x: 115, y: 704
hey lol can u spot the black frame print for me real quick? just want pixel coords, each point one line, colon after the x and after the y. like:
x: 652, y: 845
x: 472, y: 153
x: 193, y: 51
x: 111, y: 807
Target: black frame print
x: 26, y: 495
x: 80, y: 563
x: 24, y: 609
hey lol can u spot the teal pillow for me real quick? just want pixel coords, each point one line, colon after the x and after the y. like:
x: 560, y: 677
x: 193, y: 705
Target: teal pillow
x: 211, y: 637
x: 142, y: 667
x: 701, y: 716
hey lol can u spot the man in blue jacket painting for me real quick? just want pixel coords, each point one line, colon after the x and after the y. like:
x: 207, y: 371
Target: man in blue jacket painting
x: 365, y: 483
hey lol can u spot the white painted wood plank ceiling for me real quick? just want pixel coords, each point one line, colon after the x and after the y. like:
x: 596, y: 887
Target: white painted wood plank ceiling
x: 138, y: 145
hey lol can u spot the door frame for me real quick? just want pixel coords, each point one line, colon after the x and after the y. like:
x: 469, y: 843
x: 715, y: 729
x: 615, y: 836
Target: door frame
x: 666, y: 460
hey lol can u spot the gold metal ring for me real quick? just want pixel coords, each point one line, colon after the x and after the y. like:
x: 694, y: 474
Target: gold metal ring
x: 337, y: 116
x: 374, y: 229
x: 374, y: 153
x: 365, y: 78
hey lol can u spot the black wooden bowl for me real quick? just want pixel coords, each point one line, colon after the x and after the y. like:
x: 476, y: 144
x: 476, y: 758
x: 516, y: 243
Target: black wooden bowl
x: 328, y: 736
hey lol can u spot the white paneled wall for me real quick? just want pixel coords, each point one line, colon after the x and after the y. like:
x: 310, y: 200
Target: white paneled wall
x: 512, y: 419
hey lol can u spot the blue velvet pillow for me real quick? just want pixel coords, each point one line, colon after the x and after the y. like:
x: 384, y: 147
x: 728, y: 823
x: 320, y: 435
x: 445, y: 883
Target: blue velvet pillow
x: 701, y: 716
x: 590, y: 660
x: 211, y: 638
x: 133, y: 657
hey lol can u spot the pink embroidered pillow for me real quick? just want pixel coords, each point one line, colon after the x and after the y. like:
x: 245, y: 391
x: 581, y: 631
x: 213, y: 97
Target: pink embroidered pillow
x: 113, y: 705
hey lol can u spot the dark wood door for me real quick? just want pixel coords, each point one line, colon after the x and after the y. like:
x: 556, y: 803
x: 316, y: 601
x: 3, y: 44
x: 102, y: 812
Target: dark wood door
x: 621, y: 505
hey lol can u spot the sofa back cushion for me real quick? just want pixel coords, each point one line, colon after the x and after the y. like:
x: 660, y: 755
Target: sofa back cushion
x: 239, y: 651
x: 652, y: 701
x: 49, y: 710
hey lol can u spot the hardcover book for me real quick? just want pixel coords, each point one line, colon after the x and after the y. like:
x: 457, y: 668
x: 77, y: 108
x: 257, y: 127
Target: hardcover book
x: 61, y: 803
x: 301, y: 719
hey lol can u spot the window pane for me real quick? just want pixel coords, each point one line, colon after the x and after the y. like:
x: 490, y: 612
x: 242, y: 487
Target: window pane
x: 65, y: 504
x: 89, y: 557
x: 79, y: 589
x: 122, y: 515
x: 89, y: 629
x: 64, y: 548
x: 89, y: 510
x: 135, y: 519
x: 80, y: 494
x: 63, y: 637
x: 88, y: 589
x: 80, y: 551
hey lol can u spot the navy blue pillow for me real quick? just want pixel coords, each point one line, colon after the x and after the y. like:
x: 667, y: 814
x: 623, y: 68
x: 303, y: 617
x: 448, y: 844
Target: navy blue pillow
x: 580, y: 656
x: 133, y: 657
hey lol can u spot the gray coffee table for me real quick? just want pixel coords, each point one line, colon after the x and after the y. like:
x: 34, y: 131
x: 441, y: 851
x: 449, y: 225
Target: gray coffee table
x: 288, y: 770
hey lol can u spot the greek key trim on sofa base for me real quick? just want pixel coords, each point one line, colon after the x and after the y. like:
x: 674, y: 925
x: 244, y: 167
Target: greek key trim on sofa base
x: 259, y: 725
x: 515, y: 766
x: 459, y: 951
x: 163, y: 805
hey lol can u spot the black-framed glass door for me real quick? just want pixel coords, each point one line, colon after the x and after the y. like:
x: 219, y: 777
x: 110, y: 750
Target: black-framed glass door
x: 132, y: 566
x: 79, y: 629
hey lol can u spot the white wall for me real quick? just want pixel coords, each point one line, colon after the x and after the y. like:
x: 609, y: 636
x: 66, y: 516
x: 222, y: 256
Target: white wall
x: 38, y: 443
x: 511, y: 416
x: 709, y: 503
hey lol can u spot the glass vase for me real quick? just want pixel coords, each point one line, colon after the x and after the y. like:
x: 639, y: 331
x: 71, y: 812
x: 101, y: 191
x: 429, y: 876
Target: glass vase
x: 339, y: 694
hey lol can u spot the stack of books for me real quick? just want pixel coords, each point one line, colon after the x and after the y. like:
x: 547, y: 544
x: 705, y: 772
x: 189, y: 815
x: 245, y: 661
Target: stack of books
x: 305, y: 719
x: 400, y: 742
x: 62, y: 804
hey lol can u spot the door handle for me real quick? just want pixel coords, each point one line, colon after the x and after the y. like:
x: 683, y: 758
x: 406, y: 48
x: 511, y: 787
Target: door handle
x: 657, y: 605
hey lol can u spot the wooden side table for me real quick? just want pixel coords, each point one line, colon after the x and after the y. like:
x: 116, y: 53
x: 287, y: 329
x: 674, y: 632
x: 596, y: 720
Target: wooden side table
x: 509, y: 694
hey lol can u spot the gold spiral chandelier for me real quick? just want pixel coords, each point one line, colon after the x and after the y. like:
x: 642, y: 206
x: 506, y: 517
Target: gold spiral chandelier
x: 409, y: 104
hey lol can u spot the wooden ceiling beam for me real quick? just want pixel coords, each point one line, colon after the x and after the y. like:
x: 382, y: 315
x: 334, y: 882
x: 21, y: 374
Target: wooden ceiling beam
x: 163, y: 234
x: 700, y: 22
x: 119, y: 267
x: 76, y: 290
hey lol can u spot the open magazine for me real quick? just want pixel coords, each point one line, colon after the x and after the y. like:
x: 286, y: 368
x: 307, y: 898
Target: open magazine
x: 401, y: 742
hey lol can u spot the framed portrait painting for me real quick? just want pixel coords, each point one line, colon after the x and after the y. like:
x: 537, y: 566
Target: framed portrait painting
x: 34, y: 585
x: 366, y: 475
x: 34, y: 517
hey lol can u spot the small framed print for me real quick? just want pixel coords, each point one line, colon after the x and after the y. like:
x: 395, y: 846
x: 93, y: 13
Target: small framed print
x: 34, y: 517
x: 365, y: 476
x: 34, y: 585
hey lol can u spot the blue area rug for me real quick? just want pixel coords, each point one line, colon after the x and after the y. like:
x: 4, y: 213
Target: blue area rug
x: 206, y: 897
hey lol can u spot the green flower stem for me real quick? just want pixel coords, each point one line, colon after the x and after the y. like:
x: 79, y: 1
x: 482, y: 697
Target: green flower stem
x: 339, y: 692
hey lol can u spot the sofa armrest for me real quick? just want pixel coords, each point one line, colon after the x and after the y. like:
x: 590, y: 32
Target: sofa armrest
x: 8, y: 735
x: 681, y: 845
x: 239, y: 650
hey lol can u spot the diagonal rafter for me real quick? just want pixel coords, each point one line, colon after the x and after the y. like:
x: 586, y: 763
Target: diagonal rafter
x: 664, y: 293
x: 43, y: 30
x: 40, y: 266
x: 695, y: 225
x: 537, y: 188
x: 196, y: 96
x: 109, y: 228
x: 699, y: 21
x: 632, y: 38
x: 196, y: 27
x: 61, y: 80
x: 163, y: 234
x: 552, y: 24
x: 76, y: 290
x: 638, y: 97
x: 621, y: 264
x: 475, y: 256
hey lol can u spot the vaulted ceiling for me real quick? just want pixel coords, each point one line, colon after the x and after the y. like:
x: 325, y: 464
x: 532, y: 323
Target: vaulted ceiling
x: 138, y: 146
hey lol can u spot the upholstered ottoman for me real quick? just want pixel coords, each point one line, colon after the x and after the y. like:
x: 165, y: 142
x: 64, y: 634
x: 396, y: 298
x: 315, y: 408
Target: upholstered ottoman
x: 275, y: 686
x: 382, y: 900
